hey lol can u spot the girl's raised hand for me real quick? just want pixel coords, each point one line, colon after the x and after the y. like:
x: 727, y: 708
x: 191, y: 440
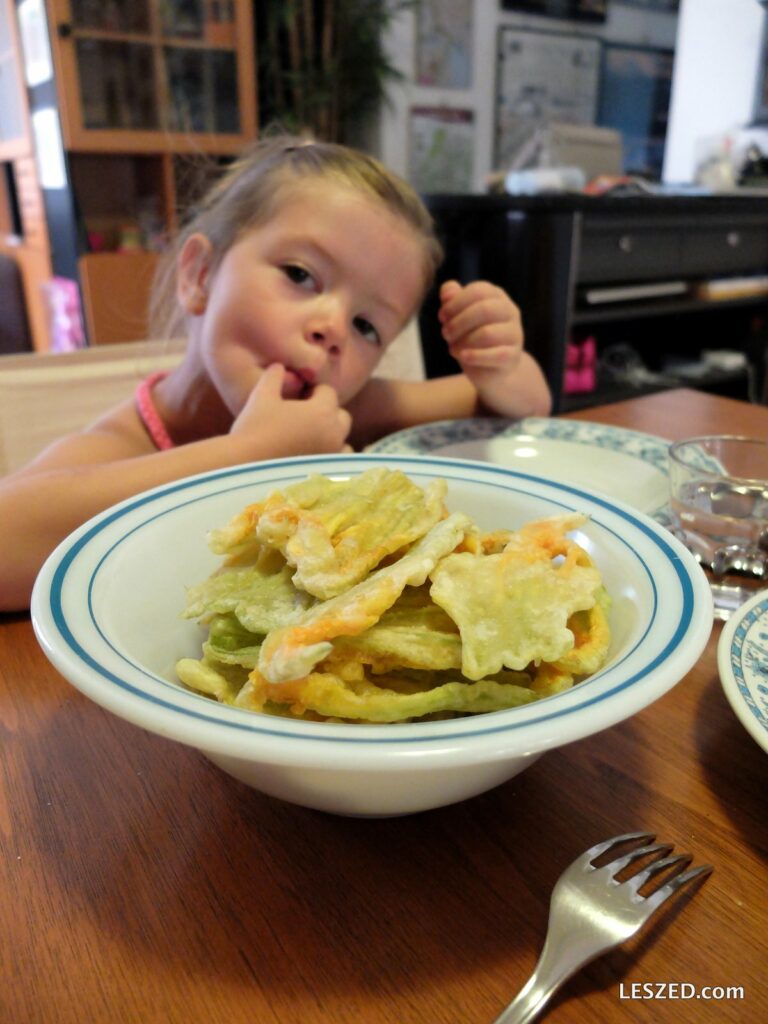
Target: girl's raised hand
x: 294, y: 426
x: 481, y: 325
x: 484, y: 331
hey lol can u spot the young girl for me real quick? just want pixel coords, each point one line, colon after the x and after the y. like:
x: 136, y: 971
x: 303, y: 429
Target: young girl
x: 297, y: 271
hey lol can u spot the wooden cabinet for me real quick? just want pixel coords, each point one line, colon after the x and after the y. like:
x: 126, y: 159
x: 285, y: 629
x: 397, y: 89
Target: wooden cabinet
x: 153, y: 95
x: 659, y: 285
x: 148, y: 97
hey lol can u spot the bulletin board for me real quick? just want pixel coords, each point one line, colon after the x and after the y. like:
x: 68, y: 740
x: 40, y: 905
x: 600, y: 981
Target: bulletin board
x: 542, y: 77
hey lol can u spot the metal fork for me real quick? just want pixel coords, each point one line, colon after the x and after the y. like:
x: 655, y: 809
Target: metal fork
x: 591, y: 912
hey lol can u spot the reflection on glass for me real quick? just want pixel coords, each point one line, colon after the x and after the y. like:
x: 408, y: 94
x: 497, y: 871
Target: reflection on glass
x: 224, y: 83
x: 116, y: 85
x: 183, y: 18
x: 11, y: 100
x: 111, y: 15
x: 202, y: 89
x: 49, y: 149
x: 11, y: 104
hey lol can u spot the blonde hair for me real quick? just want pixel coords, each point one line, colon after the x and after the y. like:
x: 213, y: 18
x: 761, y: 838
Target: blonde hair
x: 248, y: 194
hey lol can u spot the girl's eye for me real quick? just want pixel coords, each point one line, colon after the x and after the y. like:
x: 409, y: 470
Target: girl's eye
x: 366, y: 329
x: 299, y: 275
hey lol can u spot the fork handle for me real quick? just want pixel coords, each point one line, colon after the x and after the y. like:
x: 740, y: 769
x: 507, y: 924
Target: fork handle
x: 555, y: 965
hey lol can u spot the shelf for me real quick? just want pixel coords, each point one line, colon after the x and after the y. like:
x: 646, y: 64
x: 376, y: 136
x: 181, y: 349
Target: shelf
x: 663, y: 307
x: 97, y: 35
x: 101, y: 35
x: 619, y: 391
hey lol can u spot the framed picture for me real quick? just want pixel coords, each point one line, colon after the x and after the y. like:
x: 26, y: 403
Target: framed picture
x: 574, y: 10
x: 441, y: 151
x: 444, y: 43
x: 542, y: 77
x: 636, y: 85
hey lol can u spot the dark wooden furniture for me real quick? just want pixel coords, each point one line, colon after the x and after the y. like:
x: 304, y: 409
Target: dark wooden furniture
x: 141, y: 884
x: 555, y: 254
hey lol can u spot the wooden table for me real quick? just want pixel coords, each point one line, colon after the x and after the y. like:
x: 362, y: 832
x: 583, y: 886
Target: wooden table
x: 140, y: 884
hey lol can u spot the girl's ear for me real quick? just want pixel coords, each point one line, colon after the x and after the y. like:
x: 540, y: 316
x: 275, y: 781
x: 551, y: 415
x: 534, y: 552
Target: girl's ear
x: 192, y: 274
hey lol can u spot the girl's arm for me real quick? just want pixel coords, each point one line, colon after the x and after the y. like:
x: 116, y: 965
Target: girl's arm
x: 85, y: 473
x: 77, y: 477
x: 484, y: 332
x: 384, y: 406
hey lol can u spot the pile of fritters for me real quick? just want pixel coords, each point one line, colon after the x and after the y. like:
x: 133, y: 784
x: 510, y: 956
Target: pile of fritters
x: 365, y: 600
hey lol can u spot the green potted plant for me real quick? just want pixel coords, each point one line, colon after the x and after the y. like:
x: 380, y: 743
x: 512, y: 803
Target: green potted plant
x: 322, y: 67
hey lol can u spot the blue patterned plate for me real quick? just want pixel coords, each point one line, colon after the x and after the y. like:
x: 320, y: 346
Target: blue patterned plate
x: 742, y: 660
x: 627, y: 464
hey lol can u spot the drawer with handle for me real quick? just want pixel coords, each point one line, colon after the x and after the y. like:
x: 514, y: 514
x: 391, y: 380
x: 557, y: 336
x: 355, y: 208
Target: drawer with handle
x: 730, y: 248
x: 628, y: 252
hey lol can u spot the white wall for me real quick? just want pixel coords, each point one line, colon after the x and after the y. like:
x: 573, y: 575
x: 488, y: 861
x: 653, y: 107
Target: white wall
x: 716, y: 66
x: 625, y: 24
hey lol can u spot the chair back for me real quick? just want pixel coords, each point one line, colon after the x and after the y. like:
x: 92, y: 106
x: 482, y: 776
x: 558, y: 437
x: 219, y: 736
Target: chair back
x: 44, y: 396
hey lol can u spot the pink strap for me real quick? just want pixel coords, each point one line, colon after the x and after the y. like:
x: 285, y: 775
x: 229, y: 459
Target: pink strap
x: 148, y: 413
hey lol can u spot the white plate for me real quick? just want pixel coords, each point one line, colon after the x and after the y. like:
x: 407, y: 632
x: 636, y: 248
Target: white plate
x: 629, y: 465
x: 742, y: 659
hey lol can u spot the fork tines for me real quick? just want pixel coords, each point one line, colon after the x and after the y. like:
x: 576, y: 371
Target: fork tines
x: 674, y: 865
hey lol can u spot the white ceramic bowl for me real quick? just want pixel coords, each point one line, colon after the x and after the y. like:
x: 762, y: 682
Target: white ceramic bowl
x: 107, y: 610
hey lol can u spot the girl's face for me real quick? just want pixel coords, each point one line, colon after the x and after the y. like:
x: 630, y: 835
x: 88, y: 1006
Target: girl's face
x: 323, y: 288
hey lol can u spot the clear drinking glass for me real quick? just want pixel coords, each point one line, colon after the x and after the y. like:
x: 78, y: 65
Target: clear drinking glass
x: 719, y: 501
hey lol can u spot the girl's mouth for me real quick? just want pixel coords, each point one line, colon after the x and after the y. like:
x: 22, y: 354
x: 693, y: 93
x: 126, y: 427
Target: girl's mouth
x: 298, y: 383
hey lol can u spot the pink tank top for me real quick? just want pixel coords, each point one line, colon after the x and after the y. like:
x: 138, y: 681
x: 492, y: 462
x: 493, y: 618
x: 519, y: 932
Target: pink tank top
x: 150, y: 417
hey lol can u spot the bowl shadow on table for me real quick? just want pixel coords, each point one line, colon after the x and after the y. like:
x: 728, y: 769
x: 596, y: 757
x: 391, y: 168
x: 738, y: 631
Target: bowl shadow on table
x: 315, y: 882
x: 734, y: 765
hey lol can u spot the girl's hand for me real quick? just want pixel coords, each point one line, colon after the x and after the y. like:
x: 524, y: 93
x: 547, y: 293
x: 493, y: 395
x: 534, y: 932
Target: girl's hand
x: 293, y: 426
x: 484, y: 331
x: 482, y: 326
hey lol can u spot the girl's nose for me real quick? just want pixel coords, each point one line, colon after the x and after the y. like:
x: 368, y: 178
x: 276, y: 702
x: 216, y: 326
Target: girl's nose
x: 326, y: 326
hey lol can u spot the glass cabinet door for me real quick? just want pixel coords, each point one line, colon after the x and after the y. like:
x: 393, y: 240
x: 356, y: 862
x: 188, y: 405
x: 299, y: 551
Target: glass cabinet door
x: 117, y: 85
x: 202, y: 90
x: 112, y: 15
x: 184, y: 18
x: 165, y: 71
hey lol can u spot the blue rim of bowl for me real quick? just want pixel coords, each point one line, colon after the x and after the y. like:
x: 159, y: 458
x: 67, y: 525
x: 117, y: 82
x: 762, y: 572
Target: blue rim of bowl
x: 247, y: 721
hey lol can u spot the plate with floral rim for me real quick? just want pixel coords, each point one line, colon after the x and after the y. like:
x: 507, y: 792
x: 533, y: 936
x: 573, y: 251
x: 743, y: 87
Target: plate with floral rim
x: 625, y: 464
x: 742, y: 661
